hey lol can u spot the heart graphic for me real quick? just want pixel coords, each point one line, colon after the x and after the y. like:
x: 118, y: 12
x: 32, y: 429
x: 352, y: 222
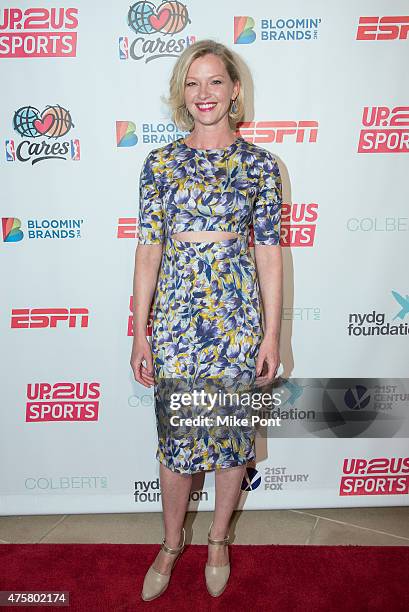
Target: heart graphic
x: 44, y: 124
x: 159, y: 20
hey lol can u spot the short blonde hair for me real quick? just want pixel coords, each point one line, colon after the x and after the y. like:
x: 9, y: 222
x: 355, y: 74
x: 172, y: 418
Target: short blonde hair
x: 176, y: 100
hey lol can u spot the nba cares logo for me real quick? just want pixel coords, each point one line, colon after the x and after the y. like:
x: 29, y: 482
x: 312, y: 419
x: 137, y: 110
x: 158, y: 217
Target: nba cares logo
x: 147, y: 19
x: 54, y: 122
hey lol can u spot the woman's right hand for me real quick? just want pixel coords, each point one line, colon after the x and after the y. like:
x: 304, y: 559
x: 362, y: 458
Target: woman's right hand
x: 141, y: 351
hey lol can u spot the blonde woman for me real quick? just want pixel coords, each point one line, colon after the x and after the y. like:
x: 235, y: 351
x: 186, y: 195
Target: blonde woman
x: 198, y: 195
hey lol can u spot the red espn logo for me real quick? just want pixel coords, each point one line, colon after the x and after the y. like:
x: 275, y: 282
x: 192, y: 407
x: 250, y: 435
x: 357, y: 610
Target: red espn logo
x: 380, y: 476
x: 23, y: 318
x: 385, y: 130
x: 276, y: 131
x: 62, y: 401
x: 383, y: 28
x: 39, y: 43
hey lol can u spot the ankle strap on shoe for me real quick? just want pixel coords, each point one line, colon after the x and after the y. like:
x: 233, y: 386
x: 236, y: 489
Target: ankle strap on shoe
x: 211, y: 541
x: 174, y: 551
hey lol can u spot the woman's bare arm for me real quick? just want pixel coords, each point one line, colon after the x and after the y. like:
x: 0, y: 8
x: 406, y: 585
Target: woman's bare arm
x: 147, y: 263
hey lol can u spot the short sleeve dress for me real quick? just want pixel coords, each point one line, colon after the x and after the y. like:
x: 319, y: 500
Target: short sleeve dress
x: 207, y: 320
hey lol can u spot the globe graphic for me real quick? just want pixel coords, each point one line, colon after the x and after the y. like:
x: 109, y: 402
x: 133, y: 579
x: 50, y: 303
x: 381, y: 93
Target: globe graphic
x: 138, y: 17
x: 23, y: 121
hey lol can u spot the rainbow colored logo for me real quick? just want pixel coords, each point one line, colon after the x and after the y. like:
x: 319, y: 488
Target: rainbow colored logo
x: 244, y: 33
x: 11, y: 229
x: 125, y: 134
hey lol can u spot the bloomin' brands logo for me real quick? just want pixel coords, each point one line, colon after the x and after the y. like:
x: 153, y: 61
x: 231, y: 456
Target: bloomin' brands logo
x: 157, y: 134
x: 265, y: 132
x: 156, y: 28
x: 63, y: 401
x: 392, y: 27
x: 375, y: 324
x: 38, y: 32
x: 277, y: 29
x: 40, y: 229
x: 54, y: 122
x: 130, y: 320
x: 384, y: 130
x: 125, y: 134
x: 378, y: 476
x: 24, y: 318
x: 65, y: 483
x: 148, y: 491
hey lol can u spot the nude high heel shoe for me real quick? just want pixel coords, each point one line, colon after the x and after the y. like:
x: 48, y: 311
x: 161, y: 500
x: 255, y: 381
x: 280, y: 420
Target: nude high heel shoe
x: 217, y: 575
x: 156, y: 583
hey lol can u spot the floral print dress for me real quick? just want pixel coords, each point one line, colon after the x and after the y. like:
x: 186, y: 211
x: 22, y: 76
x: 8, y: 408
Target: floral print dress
x: 207, y: 322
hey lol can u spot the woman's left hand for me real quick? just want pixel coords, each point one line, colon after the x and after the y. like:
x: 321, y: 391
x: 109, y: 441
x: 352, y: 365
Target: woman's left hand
x: 268, y: 362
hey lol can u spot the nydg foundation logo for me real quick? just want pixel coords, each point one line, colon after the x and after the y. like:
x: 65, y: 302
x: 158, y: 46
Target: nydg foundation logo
x: 148, y: 491
x: 375, y: 323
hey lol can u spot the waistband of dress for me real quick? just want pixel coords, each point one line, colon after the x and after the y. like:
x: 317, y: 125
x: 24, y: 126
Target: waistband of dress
x: 227, y: 243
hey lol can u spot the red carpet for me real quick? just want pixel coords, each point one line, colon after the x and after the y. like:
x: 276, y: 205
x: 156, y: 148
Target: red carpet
x: 108, y: 577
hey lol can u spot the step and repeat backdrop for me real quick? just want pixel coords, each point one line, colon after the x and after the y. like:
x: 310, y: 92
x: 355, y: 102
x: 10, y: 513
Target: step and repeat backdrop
x: 81, y: 107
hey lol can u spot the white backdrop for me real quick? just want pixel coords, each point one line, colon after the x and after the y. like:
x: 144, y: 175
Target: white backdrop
x: 328, y: 95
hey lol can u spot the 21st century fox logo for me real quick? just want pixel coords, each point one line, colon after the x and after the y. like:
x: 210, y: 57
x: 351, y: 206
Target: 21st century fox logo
x: 42, y: 135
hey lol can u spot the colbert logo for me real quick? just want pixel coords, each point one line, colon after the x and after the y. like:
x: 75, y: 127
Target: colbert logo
x: 62, y: 402
x: 383, y: 28
x: 385, y: 130
x: 23, y: 318
x: 275, y: 131
x: 53, y: 122
x: 47, y: 32
x: 147, y: 20
x: 381, y: 476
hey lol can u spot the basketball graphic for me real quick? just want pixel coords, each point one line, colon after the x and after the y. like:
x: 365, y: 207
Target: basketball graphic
x: 169, y: 18
x: 54, y: 122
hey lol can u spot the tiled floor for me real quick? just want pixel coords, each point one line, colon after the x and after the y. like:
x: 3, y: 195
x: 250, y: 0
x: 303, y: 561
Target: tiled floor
x: 360, y: 526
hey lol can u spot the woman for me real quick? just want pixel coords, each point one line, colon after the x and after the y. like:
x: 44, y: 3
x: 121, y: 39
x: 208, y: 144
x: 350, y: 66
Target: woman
x: 197, y: 197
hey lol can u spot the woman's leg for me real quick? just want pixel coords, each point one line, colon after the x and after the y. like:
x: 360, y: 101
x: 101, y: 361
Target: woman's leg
x: 228, y: 486
x: 175, y: 489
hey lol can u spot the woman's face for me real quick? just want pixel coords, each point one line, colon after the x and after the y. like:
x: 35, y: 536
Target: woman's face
x: 209, y: 90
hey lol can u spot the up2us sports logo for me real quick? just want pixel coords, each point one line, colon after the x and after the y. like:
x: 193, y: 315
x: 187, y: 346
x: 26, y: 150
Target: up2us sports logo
x: 38, y: 32
x: 42, y: 135
x: 384, y: 130
x: 156, y: 27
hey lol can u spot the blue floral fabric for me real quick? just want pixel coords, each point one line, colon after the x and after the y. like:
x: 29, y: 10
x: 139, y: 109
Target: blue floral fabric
x: 207, y: 322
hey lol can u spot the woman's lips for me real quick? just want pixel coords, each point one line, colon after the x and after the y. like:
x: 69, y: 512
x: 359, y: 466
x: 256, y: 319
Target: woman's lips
x: 204, y: 108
